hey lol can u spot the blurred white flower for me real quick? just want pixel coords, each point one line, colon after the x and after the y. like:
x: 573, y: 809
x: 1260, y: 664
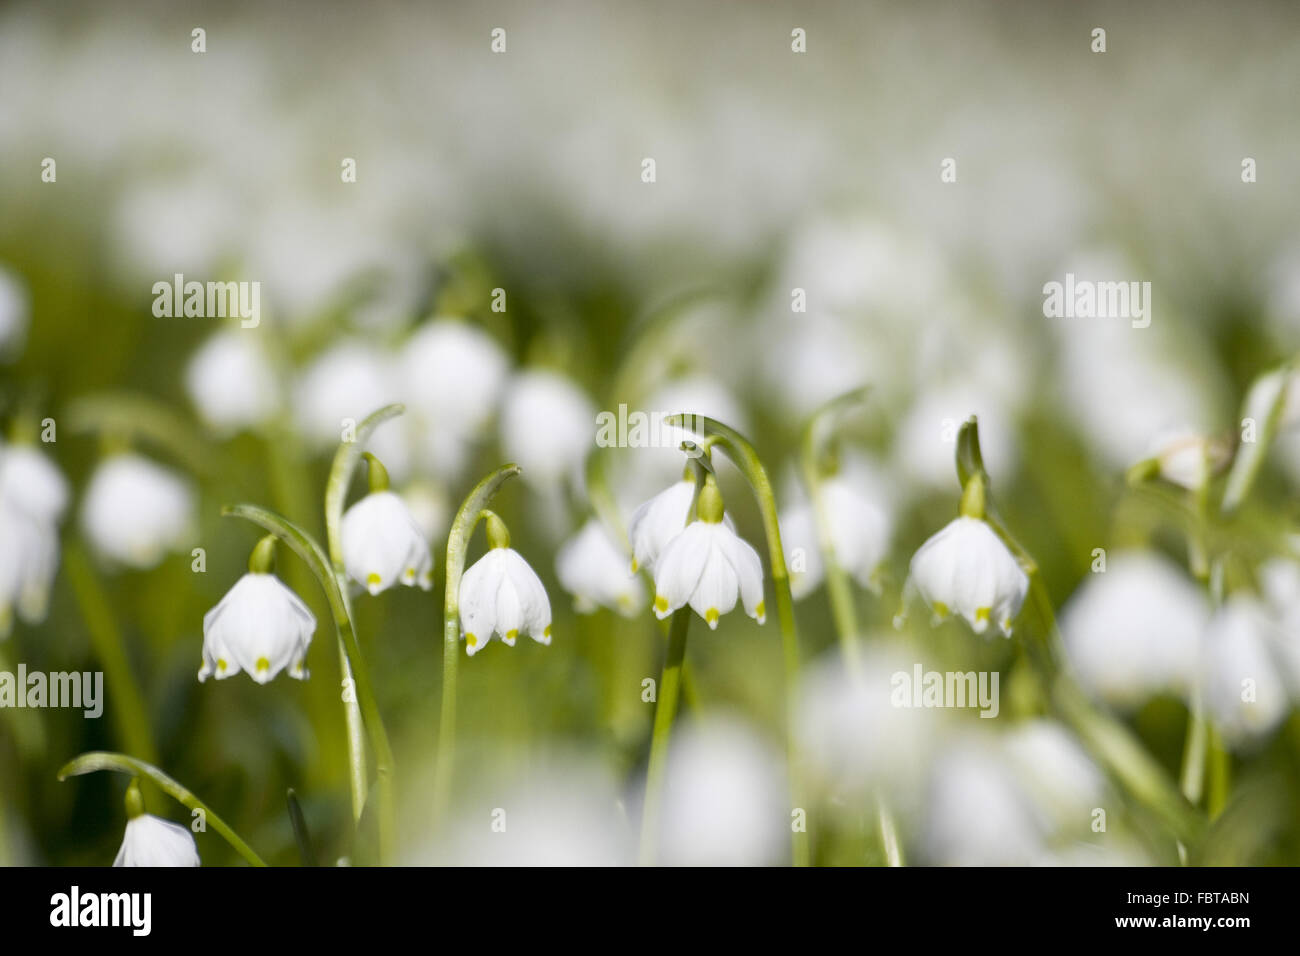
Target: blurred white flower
x: 501, y: 595
x: 231, y: 382
x: 858, y: 524
x: 965, y: 568
x: 383, y: 544
x: 32, y: 483
x: 547, y: 427
x: 452, y: 374
x: 1245, y: 692
x: 1186, y: 458
x: 724, y: 801
x: 429, y: 507
x: 1056, y: 772
x: 260, y: 627
x: 594, y: 569
x: 345, y: 384
x: 135, y: 511
x: 709, y: 566
x: 152, y: 841
x: 33, y: 497
x: 1134, y: 630
x: 13, y: 315
x: 976, y: 813
x: 926, y: 441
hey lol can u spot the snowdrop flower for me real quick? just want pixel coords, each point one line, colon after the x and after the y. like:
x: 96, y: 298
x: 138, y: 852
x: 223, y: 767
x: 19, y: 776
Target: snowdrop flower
x: 724, y: 802
x: 231, y: 382
x: 260, y: 626
x: 382, y: 543
x: 967, y: 568
x: 1245, y: 692
x: 153, y: 841
x: 32, y: 483
x: 501, y: 595
x: 658, y: 521
x: 13, y: 315
x: 135, y: 511
x: 707, y: 565
x: 594, y: 570
x: 547, y: 426
x: 1134, y: 630
x: 1185, y: 458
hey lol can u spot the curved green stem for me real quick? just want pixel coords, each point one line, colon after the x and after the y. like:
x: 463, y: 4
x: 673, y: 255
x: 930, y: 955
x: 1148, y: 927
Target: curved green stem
x: 129, y: 711
x: 740, y: 451
x: 128, y: 417
x: 310, y: 551
x: 462, y: 528
x: 665, y: 713
x: 101, y: 760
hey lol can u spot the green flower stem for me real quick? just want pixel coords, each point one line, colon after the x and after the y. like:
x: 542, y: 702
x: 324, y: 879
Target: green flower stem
x: 1192, y: 776
x: 740, y: 451
x: 888, y: 832
x: 665, y: 713
x: 462, y: 528
x: 100, y: 760
x: 334, y: 585
x: 1220, y: 775
x: 125, y: 417
x: 129, y: 712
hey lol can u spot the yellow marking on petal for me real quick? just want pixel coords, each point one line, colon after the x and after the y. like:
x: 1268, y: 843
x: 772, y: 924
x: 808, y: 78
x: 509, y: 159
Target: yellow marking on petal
x: 711, y: 615
x: 635, y: 567
x: 410, y: 575
x: 546, y: 631
x: 471, y: 640
x: 512, y: 633
x: 983, y: 614
x: 661, y: 603
x: 760, y: 612
x: 263, y: 665
x: 374, y: 580
x: 221, y: 665
x: 941, y: 609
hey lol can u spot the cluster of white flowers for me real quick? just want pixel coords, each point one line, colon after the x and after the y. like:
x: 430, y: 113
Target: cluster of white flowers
x: 33, y: 497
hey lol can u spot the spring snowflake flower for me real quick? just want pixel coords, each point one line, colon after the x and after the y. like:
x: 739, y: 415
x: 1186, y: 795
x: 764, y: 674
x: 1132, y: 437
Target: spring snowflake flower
x: 135, y: 511
x: 260, y: 626
x: 860, y: 530
x: 965, y: 568
x: 594, y: 570
x: 547, y: 425
x: 33, y: 497
x: 1135, y: 630
x: 501, y: 595
x: 231, y: 382
x: 153, y: 841
x: 382, y: 543
x: 707, y: 565
x: 658, y: 520
x: 1187, y: 458
x: 1244, y: 687
x: 32, y: 483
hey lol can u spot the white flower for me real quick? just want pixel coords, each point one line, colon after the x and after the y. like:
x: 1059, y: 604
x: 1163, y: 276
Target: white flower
x: 383, y: 544
x: 723, y: 802
x: 1135, y: 629
x: 977, y: 814
x: 260, y: 627
x: 859, y: 534
x: 500, y: 594
x: 32, y: 483
x: 708, y: 566
x: 657, y: 521
x: 965, y: 568
x: 135, y: 511
x: 152, y: 841
x: 547, y: 426
x: 1187, y: 458
x: 593, y: 568
x: 231, y: 382
x: 452, y: 374
x: 1244, y: 688
x: 29, y: 559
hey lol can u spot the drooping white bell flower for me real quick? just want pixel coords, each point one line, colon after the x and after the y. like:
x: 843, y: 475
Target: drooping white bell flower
x: 260, y: 627
x: 231, y: 382
x: 658, y: 520
x: 547, y: 425
x: 859, y: 528
x: 500, y: 595
x: 1134, y: 630
x: 29, y: 559
x: 135, y: 511
x: 32, y: 483
x: 976, y: 813
x: 153, y: 841
x: 1245, y: 692
x: 452, y: 374
x: 382, y: 542
x: 708, y: 566
x: 966, y: 569
x: 1186, y: 458
x: 593, y: 568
